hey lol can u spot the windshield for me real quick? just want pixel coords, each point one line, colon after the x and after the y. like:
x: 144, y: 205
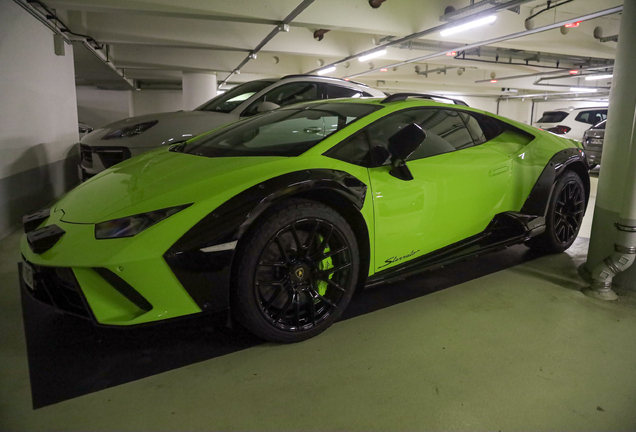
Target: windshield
x: 232, y: 98
x: 284, y: 132
x: 600, y: 125
x: 552, y: 117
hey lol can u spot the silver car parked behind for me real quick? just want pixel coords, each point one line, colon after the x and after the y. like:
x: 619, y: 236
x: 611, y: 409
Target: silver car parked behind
x: 123, y: 139
x: 593, y: 143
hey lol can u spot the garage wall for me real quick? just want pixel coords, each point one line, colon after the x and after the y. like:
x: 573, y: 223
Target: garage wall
x: 97, y: 107
x: 157, y: 101
x: 38, y: 117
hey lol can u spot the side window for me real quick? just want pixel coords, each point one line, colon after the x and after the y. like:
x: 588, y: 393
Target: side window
x: 445, y: 132
x: 286, y: 94
x: 591, y: 117
x: 354, y: 150
x: 474, y: 128
x: 481, y: 127
x: 332, y: 91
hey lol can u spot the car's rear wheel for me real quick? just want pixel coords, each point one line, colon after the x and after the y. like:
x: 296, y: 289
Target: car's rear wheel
x: 297, y: 272
x: 565, y: 215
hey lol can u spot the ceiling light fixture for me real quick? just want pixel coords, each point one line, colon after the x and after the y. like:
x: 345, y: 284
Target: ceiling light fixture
x: 572, y: 25
x: 383, y: 70
x: 326, y: 70
x: 469, y: 25
x: 574, y: 72
x: 451, y: 54
x: 583, y: 90
x: 493, y: 81
x: 372, y: 55
x: 598, y: 77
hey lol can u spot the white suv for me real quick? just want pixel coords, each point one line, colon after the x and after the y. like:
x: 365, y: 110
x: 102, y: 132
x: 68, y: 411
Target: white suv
x: 113, y: 143
x: 571, y: 122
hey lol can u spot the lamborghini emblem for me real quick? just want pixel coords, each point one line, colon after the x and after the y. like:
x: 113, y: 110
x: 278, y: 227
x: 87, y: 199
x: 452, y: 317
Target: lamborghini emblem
x: 300, y: 273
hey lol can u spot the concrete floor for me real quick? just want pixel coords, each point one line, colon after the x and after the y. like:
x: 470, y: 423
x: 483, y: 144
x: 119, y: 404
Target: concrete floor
x: 520, y: 349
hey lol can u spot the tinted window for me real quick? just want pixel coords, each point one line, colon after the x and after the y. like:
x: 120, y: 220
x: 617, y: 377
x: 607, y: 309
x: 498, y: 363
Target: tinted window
x: 334, y: 92
x: 600, y: 125
x: 552, y: 117
x: 591, y: 117
x: 285, y: 132
x: 445, y: 131
x: 286, y: 94
x: 234, y: 97
x: 354, y: 150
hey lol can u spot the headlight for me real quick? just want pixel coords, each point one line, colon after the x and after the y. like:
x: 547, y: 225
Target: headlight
x: 133, y: 225
x: 130, y: 131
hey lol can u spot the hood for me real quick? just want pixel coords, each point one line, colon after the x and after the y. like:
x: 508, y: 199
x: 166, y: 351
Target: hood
x: 156, y: 180
x: 171, y: 127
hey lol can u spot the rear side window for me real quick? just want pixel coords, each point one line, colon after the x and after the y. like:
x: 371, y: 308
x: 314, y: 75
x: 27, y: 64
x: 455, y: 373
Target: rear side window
x: 332, y: 91
x: 286, y: 94
x: 591, y: 117
x: 552, y: 117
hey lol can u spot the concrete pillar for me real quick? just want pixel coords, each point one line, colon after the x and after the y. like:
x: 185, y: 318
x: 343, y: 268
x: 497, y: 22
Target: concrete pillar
x: 197, y: 89
x: 620, y: 140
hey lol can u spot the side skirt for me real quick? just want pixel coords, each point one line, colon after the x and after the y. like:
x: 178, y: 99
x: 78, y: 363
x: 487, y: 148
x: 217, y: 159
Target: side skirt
x: 505, y: 230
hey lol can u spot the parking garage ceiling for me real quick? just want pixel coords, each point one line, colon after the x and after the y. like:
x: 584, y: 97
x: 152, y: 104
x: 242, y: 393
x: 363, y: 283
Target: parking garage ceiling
x: 152, y: 42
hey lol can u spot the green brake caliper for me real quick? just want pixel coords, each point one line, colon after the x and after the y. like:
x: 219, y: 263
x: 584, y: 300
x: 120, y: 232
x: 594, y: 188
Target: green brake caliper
x: 325, y: 264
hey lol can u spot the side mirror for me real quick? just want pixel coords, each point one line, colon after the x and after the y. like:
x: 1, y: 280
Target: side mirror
x: 402, y: 145
x: 266, y: 106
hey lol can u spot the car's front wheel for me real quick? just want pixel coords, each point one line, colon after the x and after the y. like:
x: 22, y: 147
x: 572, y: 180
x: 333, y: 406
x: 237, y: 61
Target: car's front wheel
x: 297, y: 272
x: 565, y: 215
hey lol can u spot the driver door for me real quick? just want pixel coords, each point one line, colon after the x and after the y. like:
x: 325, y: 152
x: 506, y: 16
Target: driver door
x: 456, y: 190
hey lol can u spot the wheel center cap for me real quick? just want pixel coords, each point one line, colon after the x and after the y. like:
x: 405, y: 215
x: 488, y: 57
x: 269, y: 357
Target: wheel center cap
x: 300, y: 273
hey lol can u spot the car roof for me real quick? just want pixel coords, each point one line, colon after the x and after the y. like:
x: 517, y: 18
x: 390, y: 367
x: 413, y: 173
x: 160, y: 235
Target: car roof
x: 569, y: 110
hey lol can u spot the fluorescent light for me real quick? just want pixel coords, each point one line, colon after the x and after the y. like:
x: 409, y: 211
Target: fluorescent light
x: 597, y: 77
x: 469, y: 25
x: 372, y: 55
x: 583, y: 89
x: 326, y: 70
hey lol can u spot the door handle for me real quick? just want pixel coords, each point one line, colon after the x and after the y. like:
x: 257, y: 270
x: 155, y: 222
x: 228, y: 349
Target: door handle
x: 500, y: 170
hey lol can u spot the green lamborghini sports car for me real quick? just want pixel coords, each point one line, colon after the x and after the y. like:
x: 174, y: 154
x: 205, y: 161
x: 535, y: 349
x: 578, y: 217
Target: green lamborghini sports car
x: 279, y: 218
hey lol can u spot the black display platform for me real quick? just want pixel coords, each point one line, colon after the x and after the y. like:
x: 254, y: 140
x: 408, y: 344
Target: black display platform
x: 70, y: 357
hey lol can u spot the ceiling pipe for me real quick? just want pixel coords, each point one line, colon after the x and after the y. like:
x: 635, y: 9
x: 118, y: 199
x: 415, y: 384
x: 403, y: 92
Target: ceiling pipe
x: 547, y: 74
x: 282, y: 26
x: 418, y: 35
x: 497, y: 39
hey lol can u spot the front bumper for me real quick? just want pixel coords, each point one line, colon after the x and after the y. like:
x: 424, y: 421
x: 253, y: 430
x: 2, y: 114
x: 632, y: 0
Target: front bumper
x: 113, y: 282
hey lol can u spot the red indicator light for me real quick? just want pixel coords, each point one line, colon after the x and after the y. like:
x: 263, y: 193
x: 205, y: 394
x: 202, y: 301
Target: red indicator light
x: 574, y: 72
x: 452, y: 53
x: 493, y: 81
x: 383, y: 70
x: 574, y: 24
x: 346, y: 79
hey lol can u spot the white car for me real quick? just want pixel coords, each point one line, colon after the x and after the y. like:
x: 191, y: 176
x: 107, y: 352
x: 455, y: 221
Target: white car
x: 571, y: 122
x: 113, y: 143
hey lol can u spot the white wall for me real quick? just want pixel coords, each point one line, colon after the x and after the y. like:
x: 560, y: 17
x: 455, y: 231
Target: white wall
x: 156, y: 101
x: 38, y: 115
x: 97, y: 107
x: 37, y: 89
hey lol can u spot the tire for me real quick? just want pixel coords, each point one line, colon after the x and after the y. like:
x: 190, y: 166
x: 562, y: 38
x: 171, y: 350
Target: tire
x: 297, y: 272
x: 565, y: 214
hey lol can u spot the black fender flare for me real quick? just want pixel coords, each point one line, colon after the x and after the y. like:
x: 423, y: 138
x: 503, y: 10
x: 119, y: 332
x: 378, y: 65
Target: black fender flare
x: 537, y: 202
x: 206, y: 275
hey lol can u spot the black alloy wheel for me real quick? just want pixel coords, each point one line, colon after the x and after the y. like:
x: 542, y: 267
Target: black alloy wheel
x: 569, y: 211
x: 298, y: 272
x: 565, y: 215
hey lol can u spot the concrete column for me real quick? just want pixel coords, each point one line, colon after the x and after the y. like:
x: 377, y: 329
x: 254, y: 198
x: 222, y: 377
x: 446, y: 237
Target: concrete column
x: 197, y: 89
x: 616, y: 171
